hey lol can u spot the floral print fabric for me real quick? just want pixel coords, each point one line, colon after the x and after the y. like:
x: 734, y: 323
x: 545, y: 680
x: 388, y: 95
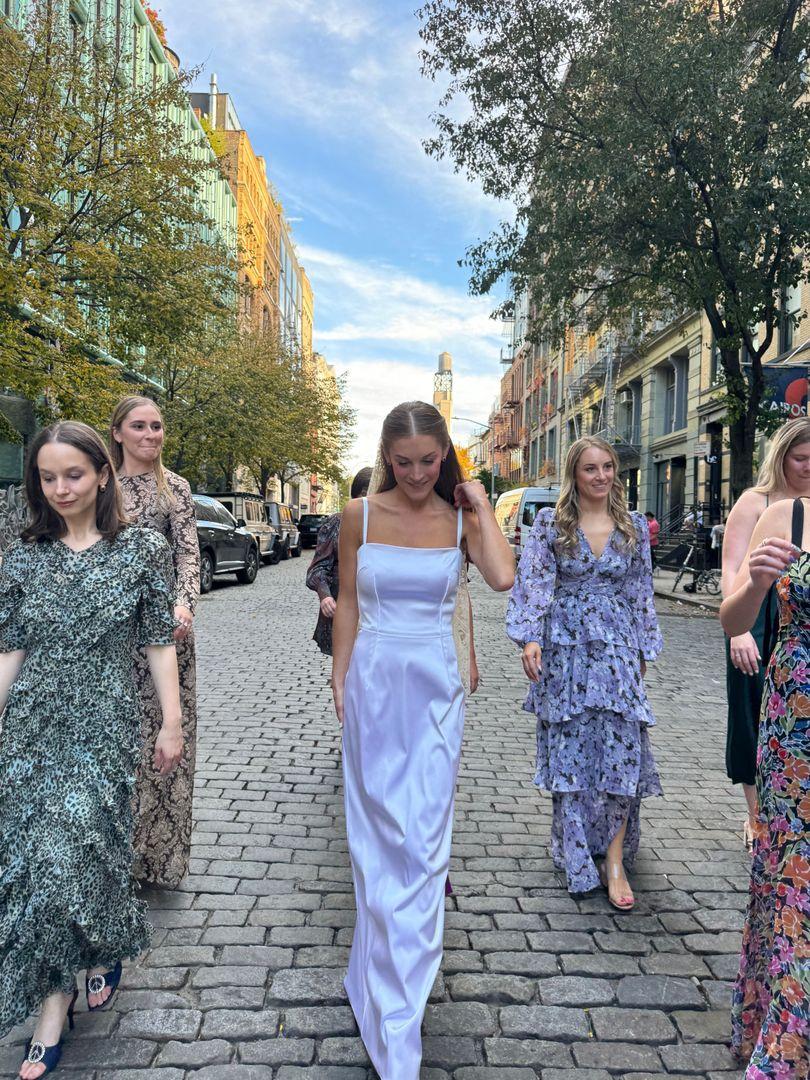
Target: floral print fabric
x: 162, y: 838
x: 69, y: 746
x: 771, y: 1001
x: 594, y: 619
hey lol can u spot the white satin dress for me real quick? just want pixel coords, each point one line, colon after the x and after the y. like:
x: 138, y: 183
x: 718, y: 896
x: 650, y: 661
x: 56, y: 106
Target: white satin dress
x: 403, y: 726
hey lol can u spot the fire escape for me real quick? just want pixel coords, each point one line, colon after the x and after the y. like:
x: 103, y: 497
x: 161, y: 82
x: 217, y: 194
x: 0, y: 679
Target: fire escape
x: 597, y: 362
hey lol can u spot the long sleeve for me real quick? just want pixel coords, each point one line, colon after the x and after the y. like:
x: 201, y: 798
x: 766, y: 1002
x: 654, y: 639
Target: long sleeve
x: 12, y: 597
x: 639, y: 591
x: 184, y: 544
x: 533, y: 591
x: 322, y: 576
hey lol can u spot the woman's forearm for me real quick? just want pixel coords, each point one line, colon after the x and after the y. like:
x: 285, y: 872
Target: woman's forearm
x: 344, y: 631
x: 162, y: 660
x: 495, y: 558
x: 10, y: 664
x: 738, y: 612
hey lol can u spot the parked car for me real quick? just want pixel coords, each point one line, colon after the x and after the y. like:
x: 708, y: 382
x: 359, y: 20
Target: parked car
x: 308, y: 526
x: 516, y: 510
x: 225, y: 546
x: 248, y: 509
x: 284, y: 520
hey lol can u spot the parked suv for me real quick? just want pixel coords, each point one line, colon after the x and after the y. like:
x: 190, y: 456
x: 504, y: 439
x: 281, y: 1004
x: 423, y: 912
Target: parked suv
x: 285, y: 521
x: 516, y: 510
x: 248, y: 509
x: 225, y: 546
x: 309, y: 525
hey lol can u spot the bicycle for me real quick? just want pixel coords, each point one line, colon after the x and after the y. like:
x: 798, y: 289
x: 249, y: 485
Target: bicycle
x: 704, y: 580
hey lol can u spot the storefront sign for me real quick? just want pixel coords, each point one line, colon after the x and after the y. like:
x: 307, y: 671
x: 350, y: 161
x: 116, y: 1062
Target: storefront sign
x: 786, y: 390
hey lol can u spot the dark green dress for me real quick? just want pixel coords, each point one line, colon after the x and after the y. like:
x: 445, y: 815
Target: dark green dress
x: 745, y: 698
x: 69, y: 744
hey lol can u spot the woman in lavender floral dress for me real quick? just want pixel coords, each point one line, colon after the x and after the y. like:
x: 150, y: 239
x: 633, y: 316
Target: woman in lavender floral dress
x: 582, y: 610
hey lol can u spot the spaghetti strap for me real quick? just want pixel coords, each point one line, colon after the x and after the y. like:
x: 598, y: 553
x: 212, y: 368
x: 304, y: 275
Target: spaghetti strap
x: 797, y: 524
x: 365, y: 520
x: 460, y: 528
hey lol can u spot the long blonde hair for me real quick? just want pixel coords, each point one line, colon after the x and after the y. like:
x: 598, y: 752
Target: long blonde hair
x: 772, y: 474
x: 566, y: 514
x: 120, y: 413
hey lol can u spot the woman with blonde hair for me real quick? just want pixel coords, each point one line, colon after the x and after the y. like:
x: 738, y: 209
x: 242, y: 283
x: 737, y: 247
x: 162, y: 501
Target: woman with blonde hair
x: 161, y: 500
x: 785, y: 474
x: 582, y: 610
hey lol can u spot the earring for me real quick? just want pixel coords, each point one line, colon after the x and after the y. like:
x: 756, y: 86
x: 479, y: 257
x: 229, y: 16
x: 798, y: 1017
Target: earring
x: 102, y: 487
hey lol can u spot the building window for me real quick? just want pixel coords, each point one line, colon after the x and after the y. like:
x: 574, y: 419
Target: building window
x: 624, y: 414
x: 551, y: 448
x: 789, y: 315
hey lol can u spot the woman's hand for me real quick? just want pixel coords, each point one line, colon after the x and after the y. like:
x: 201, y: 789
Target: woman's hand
x: 475, y: 677
x: 168, y: 748
x: 769, y: 560
x: 184, y: 617
x: 470, y: 495
x: 744, y: 654
x: 532, y: 660
x: 337, y: 696
x: 328, y: 607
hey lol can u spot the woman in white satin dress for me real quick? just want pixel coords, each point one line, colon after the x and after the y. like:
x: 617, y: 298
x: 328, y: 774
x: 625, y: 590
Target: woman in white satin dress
x: 399, y: 695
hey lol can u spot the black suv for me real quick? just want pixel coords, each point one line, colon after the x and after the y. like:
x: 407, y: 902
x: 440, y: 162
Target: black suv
x: 285, y: 521
x: 225, y: 546
x: 309, y: 525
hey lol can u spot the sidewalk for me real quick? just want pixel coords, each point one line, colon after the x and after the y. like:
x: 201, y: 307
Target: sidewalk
x: 664, y: 580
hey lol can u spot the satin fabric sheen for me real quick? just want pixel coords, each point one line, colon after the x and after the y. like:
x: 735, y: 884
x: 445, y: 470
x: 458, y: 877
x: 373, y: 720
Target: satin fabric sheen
x: 404, y: 721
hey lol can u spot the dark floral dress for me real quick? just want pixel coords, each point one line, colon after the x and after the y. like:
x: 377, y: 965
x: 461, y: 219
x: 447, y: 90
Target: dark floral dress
x: 594, y: 619
x: 771, y: 1002
x: 322, y: 578
x: 69, y: 746
x: 163, y: 803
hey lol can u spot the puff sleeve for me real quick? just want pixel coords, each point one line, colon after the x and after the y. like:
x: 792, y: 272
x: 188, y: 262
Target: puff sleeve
x: 156, y: 622
x: 639, y: 592
x: 533, y: 591
x: 13, y: 573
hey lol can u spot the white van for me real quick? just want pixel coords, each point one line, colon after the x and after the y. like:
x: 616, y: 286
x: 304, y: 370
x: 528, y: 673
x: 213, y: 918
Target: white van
x: 516, y: 510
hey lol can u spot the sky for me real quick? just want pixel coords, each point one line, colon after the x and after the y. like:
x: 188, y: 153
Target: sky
x: 330, y: 93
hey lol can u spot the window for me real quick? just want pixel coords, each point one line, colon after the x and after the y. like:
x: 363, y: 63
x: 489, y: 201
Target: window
x: 624, y: 414
x: 551, y: 447
x: 789, y: 315
x: 670, y: 382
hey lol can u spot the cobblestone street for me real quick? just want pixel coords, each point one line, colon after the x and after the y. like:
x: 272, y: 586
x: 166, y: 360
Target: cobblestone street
x: 244, y: 977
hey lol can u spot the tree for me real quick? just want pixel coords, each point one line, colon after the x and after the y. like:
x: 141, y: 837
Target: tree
x: 501, y: 483
x: 106, y: 247
x: 464, y: 460
x: 657, y: 154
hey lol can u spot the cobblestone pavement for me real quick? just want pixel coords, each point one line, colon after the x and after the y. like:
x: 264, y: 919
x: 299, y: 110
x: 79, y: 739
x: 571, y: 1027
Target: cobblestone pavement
x: 244, y: 977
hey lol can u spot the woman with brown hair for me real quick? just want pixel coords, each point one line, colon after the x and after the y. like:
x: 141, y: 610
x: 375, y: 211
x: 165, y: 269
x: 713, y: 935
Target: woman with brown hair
x: 160, y: 499
x: 582, y: 610
x: 399, y: 695
x: 80, y: 592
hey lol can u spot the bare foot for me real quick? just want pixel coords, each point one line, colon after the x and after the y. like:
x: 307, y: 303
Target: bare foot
x: 48, y: 1031
x: 618, y: 887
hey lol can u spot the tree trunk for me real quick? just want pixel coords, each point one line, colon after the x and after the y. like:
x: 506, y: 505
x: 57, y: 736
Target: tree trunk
x: 745, y: 397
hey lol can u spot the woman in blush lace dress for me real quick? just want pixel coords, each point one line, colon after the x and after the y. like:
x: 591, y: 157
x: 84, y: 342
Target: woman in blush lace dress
x: 582, y: 610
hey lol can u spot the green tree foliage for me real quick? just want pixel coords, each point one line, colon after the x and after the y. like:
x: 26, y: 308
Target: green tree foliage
x: 657, y: 154
x: 244, y: 400
x: 105, y: 246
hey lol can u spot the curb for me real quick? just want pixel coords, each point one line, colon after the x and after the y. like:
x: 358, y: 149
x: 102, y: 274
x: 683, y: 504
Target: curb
x: 684, y: 598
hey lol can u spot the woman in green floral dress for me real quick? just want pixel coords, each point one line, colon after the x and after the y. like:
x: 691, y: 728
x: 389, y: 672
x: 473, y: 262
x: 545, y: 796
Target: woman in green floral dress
x: 79, y: 593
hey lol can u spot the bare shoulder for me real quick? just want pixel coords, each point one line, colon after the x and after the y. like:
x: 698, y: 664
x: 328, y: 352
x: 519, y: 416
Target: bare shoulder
x: 747, y: 509
x: 351, y: 520
x: 777, y: 519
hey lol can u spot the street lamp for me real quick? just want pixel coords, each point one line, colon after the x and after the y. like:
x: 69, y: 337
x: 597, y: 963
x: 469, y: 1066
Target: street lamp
x: 484, y: 427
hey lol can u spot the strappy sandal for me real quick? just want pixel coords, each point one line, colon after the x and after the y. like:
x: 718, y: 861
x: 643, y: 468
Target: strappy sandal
x: 603, y: 877
x: 37, y: 1053
x: 96, y: 984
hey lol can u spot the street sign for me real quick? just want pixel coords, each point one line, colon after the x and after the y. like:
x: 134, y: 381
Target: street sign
x: 702, y: 448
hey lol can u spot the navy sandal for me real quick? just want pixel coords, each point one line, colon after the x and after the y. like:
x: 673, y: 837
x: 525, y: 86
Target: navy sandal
x: 95, y: 984
x: 37, y: 1053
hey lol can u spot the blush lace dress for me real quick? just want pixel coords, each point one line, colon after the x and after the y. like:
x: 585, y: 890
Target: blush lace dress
x: 594, y: 619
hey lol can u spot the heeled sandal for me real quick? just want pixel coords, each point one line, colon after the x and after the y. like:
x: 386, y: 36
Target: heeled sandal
x: 603, y: 877
x: 37, y: 1053
x: 96, y: 984
x: 748, y: 836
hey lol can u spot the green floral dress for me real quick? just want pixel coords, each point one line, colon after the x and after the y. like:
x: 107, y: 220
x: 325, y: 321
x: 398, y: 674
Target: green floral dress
x: 69, y: 746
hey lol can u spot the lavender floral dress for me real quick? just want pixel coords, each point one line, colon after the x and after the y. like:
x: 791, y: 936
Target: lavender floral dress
x: 594, y: 618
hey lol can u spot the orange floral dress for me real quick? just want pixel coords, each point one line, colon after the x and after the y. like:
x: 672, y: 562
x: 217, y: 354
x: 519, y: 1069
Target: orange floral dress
x: 771, y: 1003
